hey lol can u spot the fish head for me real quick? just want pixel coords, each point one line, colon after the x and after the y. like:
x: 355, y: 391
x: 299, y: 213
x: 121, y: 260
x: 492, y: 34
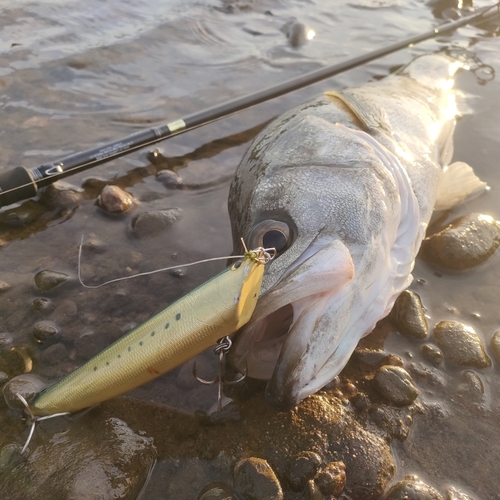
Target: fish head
x: 321, y: 198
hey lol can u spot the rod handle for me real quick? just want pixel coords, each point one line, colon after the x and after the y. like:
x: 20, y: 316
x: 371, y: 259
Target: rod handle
x: 16, y: 185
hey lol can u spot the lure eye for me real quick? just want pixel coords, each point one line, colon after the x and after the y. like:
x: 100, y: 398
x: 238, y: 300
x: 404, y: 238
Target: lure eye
x: 271, y: 234
x: 236, y: 265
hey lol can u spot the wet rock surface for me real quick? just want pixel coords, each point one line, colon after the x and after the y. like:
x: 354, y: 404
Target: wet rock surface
x: 395, y: 385
x: 154, y: 222
x: 255, y: 480
x: 301, y: 469
x: 331, y: 480
x: 61, y: 194
x: 115, y: 200
x: 409, y: 316
x: 412, y: 488
x: 460, y: 344
x: 47, y: 280
x: 495, y: 344
x: 454, y: 494
x: 111, y: 461
x: 467, y: 242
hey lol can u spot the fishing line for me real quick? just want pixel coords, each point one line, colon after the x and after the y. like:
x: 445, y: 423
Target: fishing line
x: 21, y: 183
x: 268, y: 254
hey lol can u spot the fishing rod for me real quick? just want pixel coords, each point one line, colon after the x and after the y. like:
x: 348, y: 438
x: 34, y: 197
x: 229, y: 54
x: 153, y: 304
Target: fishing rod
x: 21, y: 183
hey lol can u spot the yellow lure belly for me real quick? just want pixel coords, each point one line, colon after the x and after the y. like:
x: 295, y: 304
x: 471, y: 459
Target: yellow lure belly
x: 184, y: 329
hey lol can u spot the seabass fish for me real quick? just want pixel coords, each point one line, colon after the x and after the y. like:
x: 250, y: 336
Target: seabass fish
x: 344, y: 187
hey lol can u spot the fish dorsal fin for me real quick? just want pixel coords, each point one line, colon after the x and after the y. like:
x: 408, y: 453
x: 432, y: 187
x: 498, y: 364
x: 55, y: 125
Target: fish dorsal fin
x: 458, y: 184
x: 371, y: 116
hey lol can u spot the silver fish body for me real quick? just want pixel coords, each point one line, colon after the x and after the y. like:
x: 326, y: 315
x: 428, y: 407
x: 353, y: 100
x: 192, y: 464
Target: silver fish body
x: 344, y: 186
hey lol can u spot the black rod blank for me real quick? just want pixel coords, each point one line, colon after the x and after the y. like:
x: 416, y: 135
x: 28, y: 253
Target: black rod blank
x: 21, y: 183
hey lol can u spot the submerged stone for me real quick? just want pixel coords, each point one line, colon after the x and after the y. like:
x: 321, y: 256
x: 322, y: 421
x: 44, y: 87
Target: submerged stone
x: 60, y: 194
x: 495, y: 344
x: 460, y: 344
x: 454, y: 494
x: 26, y: 385
x: 432, y: 353
x: 153, y: 223
x: 255, y: 480
x: 217, y: 492
x: 44, y: 331
x: 408, y: 315
x: 47, y: 280
x: 115, y: 200
x: 467, y: 242
x: 412, y: 488
x: 395, y: 385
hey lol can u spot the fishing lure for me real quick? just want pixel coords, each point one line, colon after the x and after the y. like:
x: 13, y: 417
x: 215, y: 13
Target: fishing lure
x: 184, y: 329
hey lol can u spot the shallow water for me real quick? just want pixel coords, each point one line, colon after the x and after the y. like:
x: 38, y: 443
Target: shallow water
x: 74, y: 75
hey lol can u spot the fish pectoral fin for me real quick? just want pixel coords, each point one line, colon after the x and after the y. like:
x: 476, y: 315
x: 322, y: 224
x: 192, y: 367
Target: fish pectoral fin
x: 458, y: 184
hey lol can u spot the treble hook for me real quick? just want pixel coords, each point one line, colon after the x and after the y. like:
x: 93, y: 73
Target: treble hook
x: 222, y: 348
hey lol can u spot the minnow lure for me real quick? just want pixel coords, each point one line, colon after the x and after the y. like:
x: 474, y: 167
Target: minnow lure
x: 217, y: 308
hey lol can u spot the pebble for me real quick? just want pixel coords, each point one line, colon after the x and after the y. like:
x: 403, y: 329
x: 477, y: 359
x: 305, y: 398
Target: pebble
x: 301, y: 469
x: 331, y: 479
x: 4, y: 286
x: 55, y: 354
x: 495, y: 344
x: 412, y: 488
x: 153, y: 223
x: 460, y: 344
x: 64, y: 312
x: 408, y: 316
x: 115, y: 200
x: 47, y: 280
x: 92, y: 460
x: 60, y: 194
x: 454, y: 494
x: 217, y: 492
x: 43, y: 305
x: 471, y: 387
x: 44, y: 331
x: 255, y: 480
x: 170, y: 179
x: 467, y: 242
x: 297, y: 33
x: 432, y: 353
x: 26, y: 385
x: 395, y: 385
x: 15, y: 361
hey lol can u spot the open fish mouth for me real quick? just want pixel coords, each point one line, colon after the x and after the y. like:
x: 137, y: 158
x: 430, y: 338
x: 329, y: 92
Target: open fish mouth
x: 285, y: 341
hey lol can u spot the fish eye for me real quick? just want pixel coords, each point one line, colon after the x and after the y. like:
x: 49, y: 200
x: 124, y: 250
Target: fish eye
x: 236, y: 265
x: 271, y: 234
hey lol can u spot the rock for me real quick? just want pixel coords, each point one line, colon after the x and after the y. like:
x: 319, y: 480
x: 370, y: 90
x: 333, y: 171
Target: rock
x: 408, y: 315
x: 55, y: 354
x: 44, y: 331
x: 218, y: 491
x: 495, y: 344
x: 411, y: 488
x: 26, y: 385
x: 466, y: 242
x: 302, y: 469
x: 92, y: 460
x: 395, y: 385
x: 432, y: 353
x: 60, y: 194
x: 255, y: 480
x: 43, y: 305
x: 471, y: 387
x: 169, y: 179
x: 297, y: 33
x: 460, y: 344
x: 47, y: 280
x: 454, y: 494
x: 3, y: 378
x: 153, y: 223
x: 331, y: 479
x: 64, y: 312
x: 4, y: 286
x: 15, y: 361
x: 115, y: 200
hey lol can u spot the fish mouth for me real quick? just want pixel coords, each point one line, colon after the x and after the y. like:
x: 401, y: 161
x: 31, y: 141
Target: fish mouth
x: 287, y: 340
